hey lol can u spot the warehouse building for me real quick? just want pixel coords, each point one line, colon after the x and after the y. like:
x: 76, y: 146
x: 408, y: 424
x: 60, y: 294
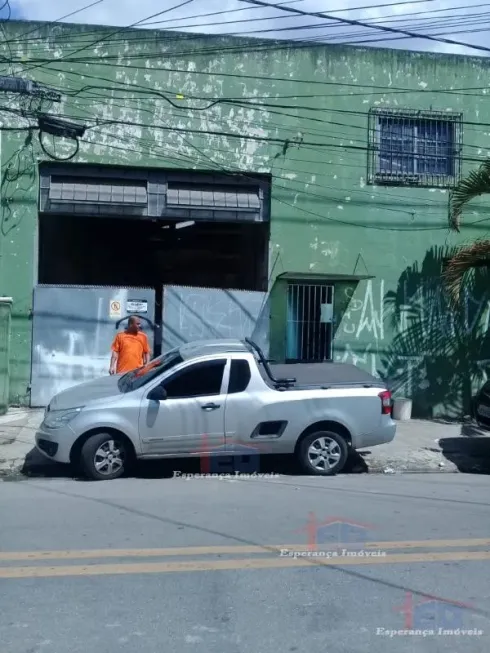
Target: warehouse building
x: 227, y: 187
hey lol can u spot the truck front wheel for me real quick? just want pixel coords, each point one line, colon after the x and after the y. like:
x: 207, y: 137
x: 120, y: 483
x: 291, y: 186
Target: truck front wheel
x: 323, y: 453
x: 104, y: 457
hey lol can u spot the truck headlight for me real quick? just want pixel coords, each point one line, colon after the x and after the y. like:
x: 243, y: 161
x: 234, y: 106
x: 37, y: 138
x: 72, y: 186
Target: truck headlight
x: 55, y: 419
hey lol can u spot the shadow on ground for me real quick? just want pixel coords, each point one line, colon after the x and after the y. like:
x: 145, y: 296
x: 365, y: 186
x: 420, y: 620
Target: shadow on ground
x: 470, y: 453
x: 37, y: 466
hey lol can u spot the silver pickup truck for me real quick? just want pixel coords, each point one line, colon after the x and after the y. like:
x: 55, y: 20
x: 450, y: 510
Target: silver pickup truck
x: 214, y: 399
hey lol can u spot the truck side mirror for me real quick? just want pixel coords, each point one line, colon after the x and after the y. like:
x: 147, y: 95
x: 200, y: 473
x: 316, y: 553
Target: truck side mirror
x: 157, y: 394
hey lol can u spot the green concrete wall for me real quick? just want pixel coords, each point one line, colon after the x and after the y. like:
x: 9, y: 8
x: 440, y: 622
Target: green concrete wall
x: 326, y: 219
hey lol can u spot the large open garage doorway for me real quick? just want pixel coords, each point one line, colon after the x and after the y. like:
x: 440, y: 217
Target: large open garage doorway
x: 143, y: 228
x: 187, y: 250
x: 87, y: 250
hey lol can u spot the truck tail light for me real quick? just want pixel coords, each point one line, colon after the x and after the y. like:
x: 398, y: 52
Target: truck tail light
x: 385, y: 397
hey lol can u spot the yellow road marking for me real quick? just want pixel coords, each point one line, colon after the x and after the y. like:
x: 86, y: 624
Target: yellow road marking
x: 229, y: 549
x: 223, y: 565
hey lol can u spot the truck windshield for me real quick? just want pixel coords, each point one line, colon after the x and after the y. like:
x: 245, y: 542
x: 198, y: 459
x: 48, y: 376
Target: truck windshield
x: 143, y: 375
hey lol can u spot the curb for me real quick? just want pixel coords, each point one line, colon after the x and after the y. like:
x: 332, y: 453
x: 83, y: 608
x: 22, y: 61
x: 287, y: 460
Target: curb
x: 18, y: 468
x: 14, y: 468
x: 419, y: 470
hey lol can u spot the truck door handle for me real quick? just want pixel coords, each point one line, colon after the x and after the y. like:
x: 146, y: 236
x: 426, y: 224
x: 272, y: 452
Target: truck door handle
x: 210, y: 406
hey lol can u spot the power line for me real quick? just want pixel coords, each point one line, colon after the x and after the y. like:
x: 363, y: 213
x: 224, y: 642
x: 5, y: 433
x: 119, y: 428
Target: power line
x: 359, y: 23
x: 264, y: 106
x: 233, y: 48
x: 296, y: 207
x: 9, y: 14
x: 289, y: 80
x: 271, y: 108
x: 145, y: 23
x: 251, y: 102
x: 279, y: 4
x: 72, y: 13
x: 252, y: 43
x: 283, y: 142
x: 408, y: 18
x: 310, y: 194
x: 293, y: 128
x: 122, y: 29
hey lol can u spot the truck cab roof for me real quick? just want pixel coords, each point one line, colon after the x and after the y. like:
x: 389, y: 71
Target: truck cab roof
x: 208, y: 347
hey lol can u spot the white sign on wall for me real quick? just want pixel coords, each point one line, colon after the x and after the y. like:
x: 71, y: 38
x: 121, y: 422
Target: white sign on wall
x: 137, y: 306
x: 115, y: 311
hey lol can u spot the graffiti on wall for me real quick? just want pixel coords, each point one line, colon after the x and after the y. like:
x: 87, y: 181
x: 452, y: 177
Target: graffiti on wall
x: 73, y: 329
x: 363, y: 322
x: 209, y: 313
x: 71, y: 339
x: 405, y: 335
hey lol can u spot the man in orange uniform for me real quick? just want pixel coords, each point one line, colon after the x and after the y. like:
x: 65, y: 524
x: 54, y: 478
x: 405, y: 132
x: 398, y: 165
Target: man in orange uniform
x: 130, y: 348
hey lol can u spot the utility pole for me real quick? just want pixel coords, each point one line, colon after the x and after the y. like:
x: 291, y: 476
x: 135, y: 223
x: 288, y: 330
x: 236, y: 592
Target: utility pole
x: 27, y: 87
x: 46, y: 123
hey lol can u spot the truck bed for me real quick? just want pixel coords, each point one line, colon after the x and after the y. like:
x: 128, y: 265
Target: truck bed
x: 321, y: 375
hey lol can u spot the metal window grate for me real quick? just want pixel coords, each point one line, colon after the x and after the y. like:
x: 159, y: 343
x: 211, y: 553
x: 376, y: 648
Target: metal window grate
x: 414, y: 148
x: 215, y: 197
x: 66, y: 189
x: 309, y: 322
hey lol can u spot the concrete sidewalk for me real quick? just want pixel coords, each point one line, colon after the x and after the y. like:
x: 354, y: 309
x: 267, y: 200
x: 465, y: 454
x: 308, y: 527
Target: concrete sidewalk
x: 431, y: 446
x: 17, y: 430
x: 419, y: 446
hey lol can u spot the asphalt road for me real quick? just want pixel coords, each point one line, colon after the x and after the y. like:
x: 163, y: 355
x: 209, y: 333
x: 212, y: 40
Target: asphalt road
x: 385, y: 563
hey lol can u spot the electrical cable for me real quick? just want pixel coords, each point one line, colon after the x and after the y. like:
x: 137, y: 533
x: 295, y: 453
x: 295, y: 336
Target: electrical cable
x: 390, y: 19
x: 255, y: 105
x: 53, y: 22
x: 293, y: 129
x: 284, y: 142
x: 146, y: 24
x: 296, y: 207
x: 261, y: 107
x: 278, y: 4
x: 264, y: 45
x: 91, y: 33
x: 55, y: 157
x: 359, y: 166
x: 360, y: 23
x: 273, y: 107
x: 112, y: 122
x: 194, y: 36
x: 125, y: 84
x: 284, y: 202
x: 122, y: 29
x: 2, y: 29
x: 443, y: 21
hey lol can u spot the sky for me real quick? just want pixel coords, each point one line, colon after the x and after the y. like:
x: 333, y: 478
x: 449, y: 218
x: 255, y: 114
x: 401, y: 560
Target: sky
x: 462, y: 20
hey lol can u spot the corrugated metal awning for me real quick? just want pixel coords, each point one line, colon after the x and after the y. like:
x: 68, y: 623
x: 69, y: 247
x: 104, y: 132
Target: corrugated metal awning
x: 67, y: 189
x: 156, y: 194
x: 241, y: 199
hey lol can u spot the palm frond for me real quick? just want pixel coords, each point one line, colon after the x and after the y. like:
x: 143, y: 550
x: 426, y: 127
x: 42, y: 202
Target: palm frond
x: 469, y: 257
x: 476, y: 183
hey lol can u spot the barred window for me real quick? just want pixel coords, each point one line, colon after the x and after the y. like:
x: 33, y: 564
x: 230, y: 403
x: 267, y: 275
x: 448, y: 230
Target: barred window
x: 421, y: 148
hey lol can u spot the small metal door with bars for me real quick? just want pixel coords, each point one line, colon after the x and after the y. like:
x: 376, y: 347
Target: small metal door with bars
x: 309, y: 323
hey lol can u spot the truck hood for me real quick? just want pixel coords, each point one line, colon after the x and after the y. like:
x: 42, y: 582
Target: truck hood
x: 82, y: 394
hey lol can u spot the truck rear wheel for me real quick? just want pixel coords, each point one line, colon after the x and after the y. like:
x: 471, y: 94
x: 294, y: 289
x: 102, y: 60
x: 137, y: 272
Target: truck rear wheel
x: 323, y: 453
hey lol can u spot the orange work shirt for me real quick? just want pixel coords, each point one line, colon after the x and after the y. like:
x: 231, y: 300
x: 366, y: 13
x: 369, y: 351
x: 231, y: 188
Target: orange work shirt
x: 130, y: 348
